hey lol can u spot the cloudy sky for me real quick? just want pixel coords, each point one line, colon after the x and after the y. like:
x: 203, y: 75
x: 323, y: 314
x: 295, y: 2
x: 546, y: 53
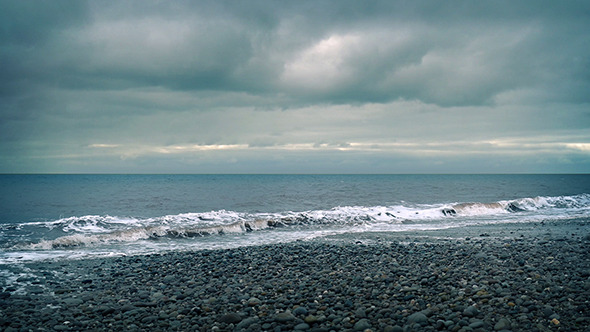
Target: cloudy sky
x: 294, y: 86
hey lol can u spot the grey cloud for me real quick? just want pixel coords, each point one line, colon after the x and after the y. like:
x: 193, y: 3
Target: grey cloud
x: 438, y: 53
x: 75, y: 74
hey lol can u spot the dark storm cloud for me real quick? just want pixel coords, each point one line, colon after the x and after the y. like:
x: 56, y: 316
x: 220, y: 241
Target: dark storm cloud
x: 449, y: 54
x: 86, y: 82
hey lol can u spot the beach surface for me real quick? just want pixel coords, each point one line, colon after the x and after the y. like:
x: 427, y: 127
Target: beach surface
x: 503, y: 278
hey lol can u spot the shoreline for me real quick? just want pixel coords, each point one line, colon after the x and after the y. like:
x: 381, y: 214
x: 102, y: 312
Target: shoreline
x: 484, y: 279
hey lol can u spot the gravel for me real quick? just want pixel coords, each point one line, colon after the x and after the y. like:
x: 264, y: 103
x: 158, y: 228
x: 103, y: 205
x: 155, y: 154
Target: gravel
x: 378, y: 283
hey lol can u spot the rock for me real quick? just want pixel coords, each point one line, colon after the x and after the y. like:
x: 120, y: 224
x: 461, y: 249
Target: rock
x: 470, y: 311
x: 231, y: 318
x: 244, y: 324
x: 360, y: 313
x: 362, y: 325
x: 145, y: 304
x: 105, y: 310
x: 35, y: 290
x: 301, y: 327
x: 168, y: 279
x: 128, y: 307
x: 395, y: 328
x: 285, y: 316
x: 73, y: 301
x: 476, y: 324
x: 417, y: 318
x: 502, y: 324
x: 311, y: 319
x: 300, y: 311
x: 252, y: 302
x: 149, y: 319
x: 548, y: 311
x: 157, y: 295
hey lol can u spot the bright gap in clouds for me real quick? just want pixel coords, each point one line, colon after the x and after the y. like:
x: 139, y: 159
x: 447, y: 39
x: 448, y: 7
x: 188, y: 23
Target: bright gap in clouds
x: 303, y: 86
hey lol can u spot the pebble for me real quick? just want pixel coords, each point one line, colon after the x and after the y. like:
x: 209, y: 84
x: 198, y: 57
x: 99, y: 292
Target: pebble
x: 362, y: 325
x: 301, y: 327
x: 231, y: 318
x: 417, y: 318
x: 315, y: 286
x: 502, y: 324
x: 300, y: 311
x: 246, y: 323
x: 470, y: 311
x: 253, y: 302
x: 476, y: 324
x: 284, y: 317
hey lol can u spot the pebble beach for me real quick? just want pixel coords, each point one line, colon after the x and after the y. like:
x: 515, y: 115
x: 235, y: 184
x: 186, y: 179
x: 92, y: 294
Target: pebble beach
x: 491, y: 281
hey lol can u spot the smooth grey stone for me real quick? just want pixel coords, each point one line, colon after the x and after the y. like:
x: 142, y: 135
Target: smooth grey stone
x: 476, y: 324
x: 301, y: 327
x: 502, y: 324
x: 362, y: 325
x: 284, y: 316
x: 417, y: 318
x: 470, y: 311
x: 231, y: 318
x: 300, y: 311
x: 246, y: 323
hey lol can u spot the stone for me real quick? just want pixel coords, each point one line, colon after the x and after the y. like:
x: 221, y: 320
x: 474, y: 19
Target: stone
x: 157, y: 295
x: 502, y: 324
x: 105, y: 310
x: 73, y: 301
x: 231, y: 318
x: 252, y: 302
x: 360, y: 313
x: 244, y: 324
x: 470, y: 311
x: 476, y: 324
x: 285, y: 316
x: 300, y: 311
x: 362, y: 325
x: 395, y: 328
x: 417, y: 318
x: 547, y: 311
x: 168, y: 279
x: 128, y: 307
x: 311, y: 319
x: 301, y: 327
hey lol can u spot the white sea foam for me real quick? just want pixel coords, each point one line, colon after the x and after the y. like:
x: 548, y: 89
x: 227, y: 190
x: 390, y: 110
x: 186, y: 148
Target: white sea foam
x: 69, y: 236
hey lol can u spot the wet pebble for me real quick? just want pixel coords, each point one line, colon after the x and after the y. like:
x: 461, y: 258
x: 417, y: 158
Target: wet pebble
x: 314, y: 286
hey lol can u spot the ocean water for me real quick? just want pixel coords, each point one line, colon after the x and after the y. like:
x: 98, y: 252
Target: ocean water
x: 76, y: 216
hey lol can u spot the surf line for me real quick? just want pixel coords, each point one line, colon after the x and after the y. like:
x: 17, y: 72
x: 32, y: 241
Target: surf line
x: 458, y: 208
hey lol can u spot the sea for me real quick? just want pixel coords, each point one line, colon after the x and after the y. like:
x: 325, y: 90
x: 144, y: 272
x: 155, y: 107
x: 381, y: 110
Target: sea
x: 64, y: 217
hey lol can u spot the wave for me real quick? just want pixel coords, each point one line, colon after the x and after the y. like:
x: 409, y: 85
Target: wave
x: 92, y: 229
x: 150, y: 232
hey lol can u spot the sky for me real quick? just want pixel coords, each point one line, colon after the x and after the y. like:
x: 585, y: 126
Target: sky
x: 294, y: 86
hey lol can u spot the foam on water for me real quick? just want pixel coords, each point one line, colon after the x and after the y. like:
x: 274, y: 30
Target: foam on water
x: 102, y: 235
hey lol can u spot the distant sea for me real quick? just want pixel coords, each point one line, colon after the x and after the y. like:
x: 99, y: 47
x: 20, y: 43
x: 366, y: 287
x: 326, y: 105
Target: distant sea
x: 76, y: 216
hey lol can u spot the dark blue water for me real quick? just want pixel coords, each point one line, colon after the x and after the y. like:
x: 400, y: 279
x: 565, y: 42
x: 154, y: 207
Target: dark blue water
x: 66, y: 216
x: 26, y: 198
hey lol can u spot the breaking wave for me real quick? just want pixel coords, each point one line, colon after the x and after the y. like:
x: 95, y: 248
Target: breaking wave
x: 92, y: 229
